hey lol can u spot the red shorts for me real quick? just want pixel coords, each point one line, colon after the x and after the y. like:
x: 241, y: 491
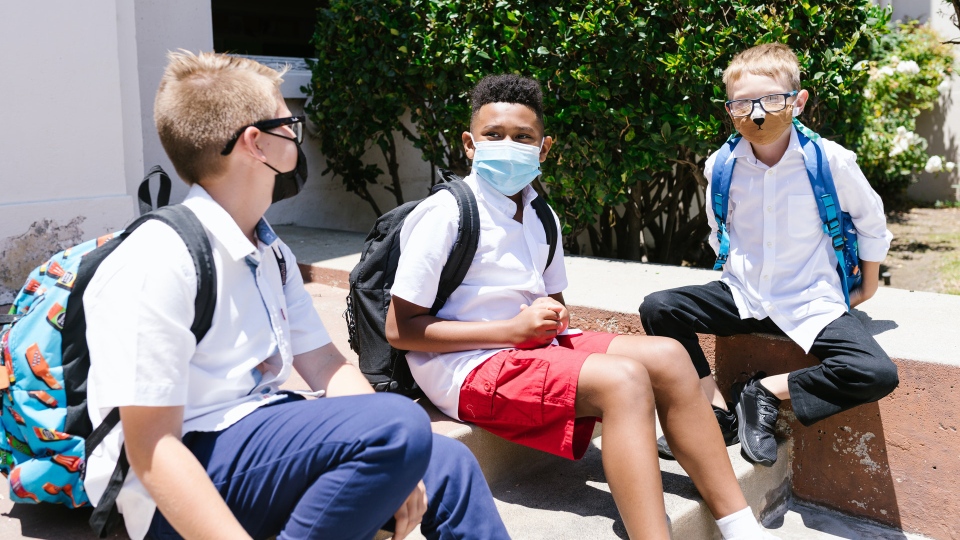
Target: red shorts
x: 530, y: 396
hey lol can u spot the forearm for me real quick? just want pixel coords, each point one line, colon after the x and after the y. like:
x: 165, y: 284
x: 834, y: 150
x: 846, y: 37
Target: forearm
x: 432, y: 334
x: 870, y: 272
x: 326, y: 369
x: 164, y: 466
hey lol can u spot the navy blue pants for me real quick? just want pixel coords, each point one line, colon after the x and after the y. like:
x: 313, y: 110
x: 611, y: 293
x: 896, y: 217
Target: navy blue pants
x: 340, y: 468
x: 853, y: 369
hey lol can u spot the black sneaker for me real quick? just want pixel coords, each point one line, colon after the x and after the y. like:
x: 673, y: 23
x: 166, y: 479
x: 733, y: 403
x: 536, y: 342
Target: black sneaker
x: 728, y: 427
x: 758, y: 410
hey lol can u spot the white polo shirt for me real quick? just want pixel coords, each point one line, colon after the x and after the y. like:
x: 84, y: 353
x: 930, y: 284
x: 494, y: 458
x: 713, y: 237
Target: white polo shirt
x: 139, y: 308
x: 781, y: 264
x: 509, y: 269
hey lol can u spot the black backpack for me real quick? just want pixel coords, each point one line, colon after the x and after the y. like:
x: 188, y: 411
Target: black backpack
x: 371, y: 280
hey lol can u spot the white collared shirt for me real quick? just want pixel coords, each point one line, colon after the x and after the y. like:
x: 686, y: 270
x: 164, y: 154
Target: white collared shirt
x: 139, y: 308
x: 781, y: 264
x: 508, y: 270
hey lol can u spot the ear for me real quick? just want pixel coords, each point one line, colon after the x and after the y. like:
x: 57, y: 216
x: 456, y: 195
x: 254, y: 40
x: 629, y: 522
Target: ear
x: 801, y: 101
x: 249, y: 144
x: 468, y: 147
x: 547, y: 143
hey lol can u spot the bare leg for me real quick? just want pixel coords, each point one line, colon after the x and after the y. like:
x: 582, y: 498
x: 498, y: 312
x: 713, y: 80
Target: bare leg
x: 618, y: 390
x: 712, y: 391
x: 777, y: 385
x: 686, y: 417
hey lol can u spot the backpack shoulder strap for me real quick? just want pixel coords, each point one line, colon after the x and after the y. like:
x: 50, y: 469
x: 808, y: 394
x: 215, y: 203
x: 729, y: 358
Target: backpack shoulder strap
x: 719, y: 195
x: 182, y: 220
x: 549, y: 225
x: 824, y: 192
x: 163, y: 196
x: 468, y: 237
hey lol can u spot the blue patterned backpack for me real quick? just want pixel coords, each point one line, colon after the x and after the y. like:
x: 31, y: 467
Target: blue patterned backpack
x: 45, y: 431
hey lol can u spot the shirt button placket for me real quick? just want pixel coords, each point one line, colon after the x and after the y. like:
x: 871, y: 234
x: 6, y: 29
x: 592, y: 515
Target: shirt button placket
x: 769, y: 228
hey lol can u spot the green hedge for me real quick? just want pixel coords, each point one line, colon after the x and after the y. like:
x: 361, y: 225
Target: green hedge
x: 633, y: 96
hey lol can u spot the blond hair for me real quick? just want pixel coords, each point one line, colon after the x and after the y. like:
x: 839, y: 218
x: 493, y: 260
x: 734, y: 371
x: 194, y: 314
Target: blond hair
x: 203, y: 100
x: 774, y: 60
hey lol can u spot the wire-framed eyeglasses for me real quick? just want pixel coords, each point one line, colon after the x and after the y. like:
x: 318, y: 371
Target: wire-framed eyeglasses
x: 770, y: 103
x: 295, y: 123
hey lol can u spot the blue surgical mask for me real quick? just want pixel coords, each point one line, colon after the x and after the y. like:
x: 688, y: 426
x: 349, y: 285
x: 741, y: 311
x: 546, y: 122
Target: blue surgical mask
x: 506, y: 165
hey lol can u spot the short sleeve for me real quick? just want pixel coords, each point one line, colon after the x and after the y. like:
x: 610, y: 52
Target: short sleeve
x: 863, y: 204
x: 139, y: 307
x: 426, y: 238
x: 555, y: 275
x: 306, y: 329
x: 708, y: 207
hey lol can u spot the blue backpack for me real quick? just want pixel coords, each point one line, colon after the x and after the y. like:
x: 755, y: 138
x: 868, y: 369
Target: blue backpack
x: 837, y: 224
x: 45, y: 431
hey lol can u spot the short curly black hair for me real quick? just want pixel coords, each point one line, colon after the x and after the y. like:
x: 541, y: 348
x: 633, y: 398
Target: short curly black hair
x: 507, y: 88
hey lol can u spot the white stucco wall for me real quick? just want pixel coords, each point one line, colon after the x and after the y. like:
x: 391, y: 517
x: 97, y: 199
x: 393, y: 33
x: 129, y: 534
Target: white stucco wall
x: 63, y: 144
x: 941, y: 126
x: 163, y: 26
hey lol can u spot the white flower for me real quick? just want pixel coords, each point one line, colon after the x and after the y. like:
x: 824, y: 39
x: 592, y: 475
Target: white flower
x: 886, y: 71
x: 867, y: 93
x: 950, y: 166
x: 944, y: 86
x: 861, y: 65
x: 934, y: 164
x: 909, y: 67
x: 902, y: 141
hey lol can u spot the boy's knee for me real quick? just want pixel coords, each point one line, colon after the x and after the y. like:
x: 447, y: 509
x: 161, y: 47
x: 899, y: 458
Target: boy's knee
x: 885, y: 378
x: 654, y: 307
x: 626, y: 383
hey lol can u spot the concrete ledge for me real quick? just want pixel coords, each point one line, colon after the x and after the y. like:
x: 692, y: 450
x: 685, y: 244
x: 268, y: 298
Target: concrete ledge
x: 894, y: 461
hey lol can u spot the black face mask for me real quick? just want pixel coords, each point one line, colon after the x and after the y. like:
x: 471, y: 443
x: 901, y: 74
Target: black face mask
x: 287, y: 184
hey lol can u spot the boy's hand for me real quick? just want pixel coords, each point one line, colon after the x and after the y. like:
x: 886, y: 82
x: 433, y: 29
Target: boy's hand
x: 536, y: 325
x: 550, y: 303
x: 411, y: 512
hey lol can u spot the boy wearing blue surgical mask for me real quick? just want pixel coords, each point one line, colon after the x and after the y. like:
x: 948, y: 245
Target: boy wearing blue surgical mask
x: 779, y: 267
x: 499, y: 352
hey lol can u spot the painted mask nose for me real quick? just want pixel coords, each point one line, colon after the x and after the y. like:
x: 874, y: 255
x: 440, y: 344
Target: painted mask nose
x: 758, y: 116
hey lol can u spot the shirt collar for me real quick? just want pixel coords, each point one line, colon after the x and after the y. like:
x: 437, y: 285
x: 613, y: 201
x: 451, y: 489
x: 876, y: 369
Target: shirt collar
x: 221, y: 225
x: 498, y: 200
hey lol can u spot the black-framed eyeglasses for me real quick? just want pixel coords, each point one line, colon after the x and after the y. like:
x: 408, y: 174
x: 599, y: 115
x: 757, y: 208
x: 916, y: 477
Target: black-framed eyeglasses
x: 770, y: 103
x: 295, y: 123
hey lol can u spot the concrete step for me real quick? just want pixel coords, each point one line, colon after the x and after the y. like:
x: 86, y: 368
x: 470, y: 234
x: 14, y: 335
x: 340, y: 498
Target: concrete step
x: 571, y: 499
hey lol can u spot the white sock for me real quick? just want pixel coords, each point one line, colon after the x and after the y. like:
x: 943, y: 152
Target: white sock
x: 740, y: 525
